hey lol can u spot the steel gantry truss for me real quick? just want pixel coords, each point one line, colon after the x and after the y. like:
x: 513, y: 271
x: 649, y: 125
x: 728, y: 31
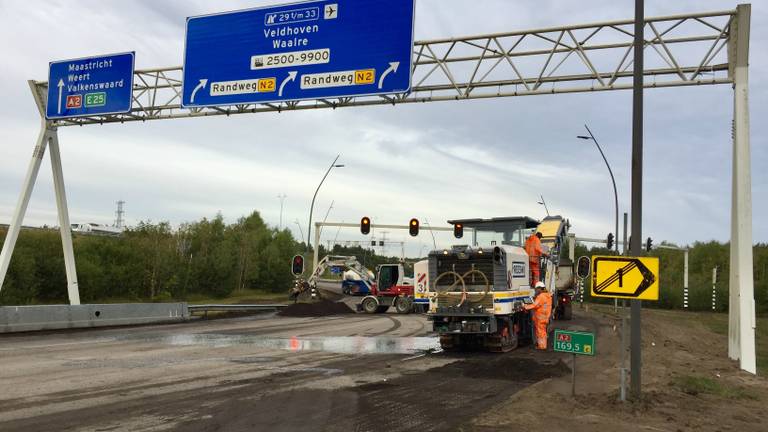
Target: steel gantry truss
x: 681, y: 50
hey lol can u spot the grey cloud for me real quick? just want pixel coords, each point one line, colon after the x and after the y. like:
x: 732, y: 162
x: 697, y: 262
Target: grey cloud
x: 401, y: 161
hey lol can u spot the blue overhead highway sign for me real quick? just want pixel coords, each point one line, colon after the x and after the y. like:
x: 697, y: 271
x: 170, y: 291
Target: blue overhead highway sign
x: 307, y: 50
x: 90, y: 86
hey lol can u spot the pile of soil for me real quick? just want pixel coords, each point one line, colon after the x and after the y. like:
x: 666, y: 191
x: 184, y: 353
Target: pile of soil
x: 321, y: 308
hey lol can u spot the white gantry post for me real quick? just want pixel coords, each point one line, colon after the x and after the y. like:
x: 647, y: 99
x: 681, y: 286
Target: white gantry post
x: 21, y: 206
x: 66, y: 232
x: 48, y: 136
x: 741, y: 324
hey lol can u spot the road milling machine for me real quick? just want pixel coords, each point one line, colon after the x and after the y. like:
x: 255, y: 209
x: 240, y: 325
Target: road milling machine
x: 478, y: 291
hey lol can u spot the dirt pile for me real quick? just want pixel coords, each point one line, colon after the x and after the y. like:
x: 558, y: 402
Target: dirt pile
x: 321, y: 308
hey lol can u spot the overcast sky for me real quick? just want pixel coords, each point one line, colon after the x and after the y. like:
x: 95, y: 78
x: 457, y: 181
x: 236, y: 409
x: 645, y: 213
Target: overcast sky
x: 437, y: 161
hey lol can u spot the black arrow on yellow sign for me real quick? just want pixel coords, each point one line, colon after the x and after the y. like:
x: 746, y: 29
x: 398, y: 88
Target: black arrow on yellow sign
x: 631, y: 264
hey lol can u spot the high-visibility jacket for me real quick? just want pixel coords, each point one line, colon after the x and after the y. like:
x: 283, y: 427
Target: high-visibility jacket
x: 533, y: 247
x: 542, y: 307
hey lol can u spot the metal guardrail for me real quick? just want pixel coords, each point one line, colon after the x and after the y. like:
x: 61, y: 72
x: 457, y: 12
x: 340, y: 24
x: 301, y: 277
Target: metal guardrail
x: 233, y: 307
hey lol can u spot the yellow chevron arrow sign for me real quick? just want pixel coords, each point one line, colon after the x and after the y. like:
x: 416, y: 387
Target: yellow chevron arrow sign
x: 625, y: 277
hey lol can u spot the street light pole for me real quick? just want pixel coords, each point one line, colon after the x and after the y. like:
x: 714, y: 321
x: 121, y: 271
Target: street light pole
x: 281, y: 197
x: 613, y: 180
x: 300, y: 230
x: 544, y: 203
x: 312, y: 207
x: 330, y: 207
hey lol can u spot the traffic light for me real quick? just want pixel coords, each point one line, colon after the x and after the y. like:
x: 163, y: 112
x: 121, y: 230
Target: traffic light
x: 413, y: 227
x: 609, y: 241
x: 365, y: 225
x: 583, y: 267
x: 298, y: 265
x: 648, y: 244
x: 458, y: 230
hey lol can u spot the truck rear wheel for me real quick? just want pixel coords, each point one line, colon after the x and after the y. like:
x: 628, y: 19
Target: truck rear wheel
x: 403, y: 305
x: 370, y: 305
x: 504, y: 340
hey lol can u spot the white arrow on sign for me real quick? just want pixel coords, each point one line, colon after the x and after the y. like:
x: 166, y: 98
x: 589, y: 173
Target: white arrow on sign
x: 291, y: 77
x: 61, y: 90
x: 392, y: 68
x: 202, y: 84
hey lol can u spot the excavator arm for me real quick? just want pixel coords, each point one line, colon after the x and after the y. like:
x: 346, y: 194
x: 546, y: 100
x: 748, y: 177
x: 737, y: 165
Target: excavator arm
x: 306, y: 290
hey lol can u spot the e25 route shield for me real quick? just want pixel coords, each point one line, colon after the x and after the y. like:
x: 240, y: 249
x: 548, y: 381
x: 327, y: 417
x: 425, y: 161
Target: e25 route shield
x: 307, y: 50
x: 625, y: 277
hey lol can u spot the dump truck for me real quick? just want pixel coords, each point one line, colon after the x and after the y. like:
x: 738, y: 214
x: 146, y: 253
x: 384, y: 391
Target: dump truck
x: 479, y: 289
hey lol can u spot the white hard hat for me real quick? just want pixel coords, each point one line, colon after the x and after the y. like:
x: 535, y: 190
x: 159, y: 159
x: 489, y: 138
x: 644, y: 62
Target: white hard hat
x: 540, y: 284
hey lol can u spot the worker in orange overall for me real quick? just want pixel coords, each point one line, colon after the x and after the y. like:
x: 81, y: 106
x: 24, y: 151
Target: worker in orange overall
x: 542, y: 309
x: 535, y: 252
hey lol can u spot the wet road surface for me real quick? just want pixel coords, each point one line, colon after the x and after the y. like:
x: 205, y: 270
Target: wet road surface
x: 354, y: 372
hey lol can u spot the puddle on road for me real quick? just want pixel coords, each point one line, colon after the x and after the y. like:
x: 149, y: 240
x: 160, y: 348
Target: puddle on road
x: 334, y: 344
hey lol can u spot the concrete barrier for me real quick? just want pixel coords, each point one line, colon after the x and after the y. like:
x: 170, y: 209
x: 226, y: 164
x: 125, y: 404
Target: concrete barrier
x: 55, y: 317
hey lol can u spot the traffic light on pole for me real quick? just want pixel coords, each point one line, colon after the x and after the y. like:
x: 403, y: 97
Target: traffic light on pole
x: 609, y: 241
x: 365, y: 225
x: 458, y: 230
x: 648, y: 244
x: 297, y: 266
x: 413, y: 227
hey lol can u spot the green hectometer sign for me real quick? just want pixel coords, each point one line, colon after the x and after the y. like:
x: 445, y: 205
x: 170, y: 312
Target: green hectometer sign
x: 575, y: 342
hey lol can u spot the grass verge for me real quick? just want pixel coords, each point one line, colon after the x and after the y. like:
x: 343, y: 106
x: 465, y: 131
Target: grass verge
x: 695, y: 385
x: 718, y: 323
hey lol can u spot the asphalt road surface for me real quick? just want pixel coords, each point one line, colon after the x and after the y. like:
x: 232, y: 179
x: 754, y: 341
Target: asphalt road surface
x: 341, y: 373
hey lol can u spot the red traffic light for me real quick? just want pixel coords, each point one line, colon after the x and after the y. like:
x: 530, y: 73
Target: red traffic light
x: 458, y: 230
x: 413, y: 227
x: 297, y: 266
x: 365, y: 225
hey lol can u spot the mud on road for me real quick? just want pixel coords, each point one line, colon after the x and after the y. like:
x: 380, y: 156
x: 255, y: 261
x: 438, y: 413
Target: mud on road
x: 336, y: 373
x: 439, y: 399
x: 357, y: 372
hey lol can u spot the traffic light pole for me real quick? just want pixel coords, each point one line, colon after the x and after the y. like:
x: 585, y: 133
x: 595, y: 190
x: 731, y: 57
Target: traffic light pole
x: 320, y: 225
x: 637, y: 190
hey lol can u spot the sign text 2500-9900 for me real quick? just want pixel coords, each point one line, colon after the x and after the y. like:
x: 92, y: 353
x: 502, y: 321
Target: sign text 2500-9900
x: 295, y: 58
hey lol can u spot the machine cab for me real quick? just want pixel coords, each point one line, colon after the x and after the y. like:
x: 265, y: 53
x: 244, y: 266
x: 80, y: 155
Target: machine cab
x: 508, y: 231
x: 389, y: 277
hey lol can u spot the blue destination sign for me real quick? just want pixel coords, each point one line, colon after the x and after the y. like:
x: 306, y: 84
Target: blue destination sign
x: 90, y: 86
x: 308, y: 50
